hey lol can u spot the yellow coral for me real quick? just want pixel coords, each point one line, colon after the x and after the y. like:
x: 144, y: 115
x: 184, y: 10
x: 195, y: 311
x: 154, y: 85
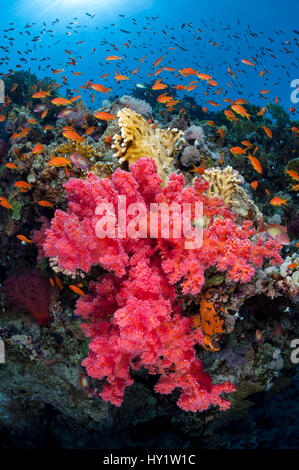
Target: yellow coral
x: 224, y: 184
x: 81, y: 147
x: 139, y: 139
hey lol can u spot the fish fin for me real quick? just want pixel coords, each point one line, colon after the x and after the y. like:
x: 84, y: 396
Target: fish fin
x: 262, y: 226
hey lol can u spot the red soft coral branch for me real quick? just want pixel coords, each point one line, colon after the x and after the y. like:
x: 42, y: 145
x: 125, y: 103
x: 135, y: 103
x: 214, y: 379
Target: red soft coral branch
x: 133, y: 315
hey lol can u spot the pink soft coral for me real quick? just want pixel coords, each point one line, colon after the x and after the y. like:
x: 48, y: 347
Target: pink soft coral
x: 133, y: 315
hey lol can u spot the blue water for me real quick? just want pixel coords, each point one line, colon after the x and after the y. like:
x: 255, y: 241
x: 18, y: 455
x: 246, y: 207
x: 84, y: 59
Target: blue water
x: 39, y: 31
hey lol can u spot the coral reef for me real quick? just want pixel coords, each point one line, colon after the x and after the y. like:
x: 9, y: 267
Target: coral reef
x: 155, y: 317
x: 139, y: 139
x: 134, y: 314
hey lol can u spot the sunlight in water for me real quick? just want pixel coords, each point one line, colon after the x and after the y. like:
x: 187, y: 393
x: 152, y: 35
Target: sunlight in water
x: 78, y: 7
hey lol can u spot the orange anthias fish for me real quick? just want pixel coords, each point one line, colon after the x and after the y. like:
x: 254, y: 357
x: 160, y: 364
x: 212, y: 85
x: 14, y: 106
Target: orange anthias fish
x: 164, y: 98
x: 221, y: 158
x: 259, y: 336
x: 278, y: 232
x: 230, y: 115
x: 187, y: 71
x: 74, y: 98
x: 24, y: 132
x: 240, y: 110
x: 248, y: 62
x: 159, y: 86
x: 293, y: 174
x: 45, y: 204
x: 240, y: 101
x: 203, y: 76
x: 200, y: 170
x: 119, y: 77
x: 268, y: 131
x: 60, y: 101
x: 262, y: 112
x: 100, y: 88
x: 171, y: 104
x: 169, y: 69
x: 31, y: 121
x: 255, y: 163
x: 158, y: 61
x: 37, y: 149
x: 41, y: 94
x: 24, y: 239
x: 59, y: 161
x: 157, y: 72
x: 23, y: 186
x: 90, y: 130
x: 14, y: 87
x: 237, y: 151
x: 44, y: 113
x: 58, y: 282
x: 113, y: 57
x: 76, y: 289
x: 213, y: 103
x: 247, y: 144
x: 104, y: 116
x: 71, y: 135
x: 278, y: 201
x: 4, y: 203
x: 11, y: 166
x: 254, y: 184
x: 221, y: 132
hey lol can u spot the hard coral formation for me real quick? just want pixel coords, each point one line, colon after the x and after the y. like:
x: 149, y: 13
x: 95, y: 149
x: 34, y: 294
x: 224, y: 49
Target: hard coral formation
x: 71, y: 146
x: 139, y: 139
x: 226, y: 184
x: 134, y: 314
x: 223, y: 184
